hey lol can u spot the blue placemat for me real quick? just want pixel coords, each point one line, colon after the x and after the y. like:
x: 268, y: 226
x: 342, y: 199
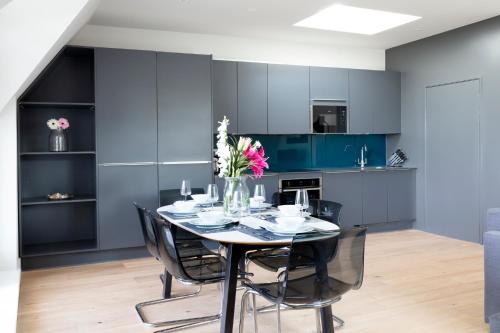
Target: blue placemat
x: 179, y: 216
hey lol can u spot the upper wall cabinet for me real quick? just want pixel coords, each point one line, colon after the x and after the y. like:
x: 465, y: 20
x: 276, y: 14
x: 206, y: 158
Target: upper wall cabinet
x: 184, y: 107
x: 329, y: 84
x: 252, y: 98
x: 288, y: 99
x: 225, y: 93
x: 125, y: 98
x: 374, y: 102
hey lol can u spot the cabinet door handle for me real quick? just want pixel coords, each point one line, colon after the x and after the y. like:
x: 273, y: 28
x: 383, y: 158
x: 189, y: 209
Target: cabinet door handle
x: 127, y: 164
x: 184, y: 162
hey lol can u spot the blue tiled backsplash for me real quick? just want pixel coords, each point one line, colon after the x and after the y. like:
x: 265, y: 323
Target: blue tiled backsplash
x: 291, y: 152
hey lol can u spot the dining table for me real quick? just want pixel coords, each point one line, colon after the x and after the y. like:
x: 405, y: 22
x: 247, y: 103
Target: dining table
x: 246, y: 234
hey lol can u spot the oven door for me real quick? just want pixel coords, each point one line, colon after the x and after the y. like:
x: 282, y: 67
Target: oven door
x: 329, y: 117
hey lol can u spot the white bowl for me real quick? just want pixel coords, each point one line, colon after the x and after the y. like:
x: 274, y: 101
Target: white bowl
x: 290, y: 222
x: 289, y: 210
x: 200, y: 198
x: 185, y: 206
x: 211, y: 216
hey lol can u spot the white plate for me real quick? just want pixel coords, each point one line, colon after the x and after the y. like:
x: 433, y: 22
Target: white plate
x: 204, y: 224
x: 264, y: 205
x: 279, y: 230
x: 174, y: 210
x: 278, y: 214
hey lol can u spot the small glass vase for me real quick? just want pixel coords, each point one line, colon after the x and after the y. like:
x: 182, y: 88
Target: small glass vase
x: 57, y: 140
x: 236, y: 197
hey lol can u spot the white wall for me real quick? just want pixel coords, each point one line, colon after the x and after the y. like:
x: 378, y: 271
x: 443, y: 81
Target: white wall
x: 31, y: 33
x: 8, y: 187
x: 231, y: 48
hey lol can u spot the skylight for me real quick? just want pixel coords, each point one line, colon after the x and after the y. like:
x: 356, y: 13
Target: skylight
x: 355, y: 20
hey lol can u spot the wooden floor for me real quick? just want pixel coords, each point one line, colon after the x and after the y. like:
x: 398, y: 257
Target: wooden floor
x: 414, y: 282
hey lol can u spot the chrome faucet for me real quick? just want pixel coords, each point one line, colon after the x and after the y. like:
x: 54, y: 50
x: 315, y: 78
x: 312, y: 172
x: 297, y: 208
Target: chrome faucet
x: 363, y: 161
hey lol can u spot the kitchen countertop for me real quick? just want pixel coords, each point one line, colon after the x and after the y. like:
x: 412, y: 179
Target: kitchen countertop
x: 338, y: 170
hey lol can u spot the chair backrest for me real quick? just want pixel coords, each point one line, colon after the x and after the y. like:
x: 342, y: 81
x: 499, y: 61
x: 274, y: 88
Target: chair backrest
x: 167, y: 248
x: 195, y: 270
x: 324, y: 267
x: 148, y: 230
x: 168, y: 197
x: 326, y: 210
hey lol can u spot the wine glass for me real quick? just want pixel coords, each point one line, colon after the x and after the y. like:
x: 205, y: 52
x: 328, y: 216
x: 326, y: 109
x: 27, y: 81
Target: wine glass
x: 259, y: 194
x: 213, y: 193
x: 302, y: 200
x: 185, y: 188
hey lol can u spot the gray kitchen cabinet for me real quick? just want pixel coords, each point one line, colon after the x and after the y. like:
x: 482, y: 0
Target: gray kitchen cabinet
x: 184, y: 107
x: 252, y: 98
x: 345, y: 188
x: 288, y: 99
x: 125, y: 97
x: 118, y: 188
x: 401, y: 195
x: 374, y: 101
x: 270, y: 183
x: 170, y: 176
x: 329, y: 83
x: 225, y: 94
x: 374, y: 197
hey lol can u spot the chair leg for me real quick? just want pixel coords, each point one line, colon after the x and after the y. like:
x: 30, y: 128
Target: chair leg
x: 167, y: 284
x: 318, y: 321
x: 181, y: 323
x: 278, y: 313
x: 244, y: 302
x: 254, y: 313
x: 339, y: 321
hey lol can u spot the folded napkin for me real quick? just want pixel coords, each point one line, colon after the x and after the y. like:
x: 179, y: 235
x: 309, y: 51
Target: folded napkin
x: 324, y: 226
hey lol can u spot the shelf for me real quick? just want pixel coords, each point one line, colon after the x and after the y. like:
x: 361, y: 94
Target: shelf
x: 59, y: 104
x: 45, y: 201
x: 47, y: 153
x: 59, y: 248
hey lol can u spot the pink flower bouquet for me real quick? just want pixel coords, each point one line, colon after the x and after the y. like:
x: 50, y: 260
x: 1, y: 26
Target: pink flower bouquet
x: 238, y: 156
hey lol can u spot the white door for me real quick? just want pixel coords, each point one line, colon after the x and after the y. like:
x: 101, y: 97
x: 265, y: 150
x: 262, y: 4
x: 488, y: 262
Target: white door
x: 453, y: 160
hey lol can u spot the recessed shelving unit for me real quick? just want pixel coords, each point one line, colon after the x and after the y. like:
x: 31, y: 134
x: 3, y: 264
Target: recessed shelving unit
x: 50, y: 227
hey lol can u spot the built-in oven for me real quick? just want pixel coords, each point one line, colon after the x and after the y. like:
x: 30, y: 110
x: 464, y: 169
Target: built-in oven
x: 288, y: 189
x: 329, y: 116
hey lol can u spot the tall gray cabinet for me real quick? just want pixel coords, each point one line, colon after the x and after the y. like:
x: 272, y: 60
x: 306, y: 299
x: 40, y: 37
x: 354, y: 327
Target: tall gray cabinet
x: 184, y: 119
x: 126, y: 124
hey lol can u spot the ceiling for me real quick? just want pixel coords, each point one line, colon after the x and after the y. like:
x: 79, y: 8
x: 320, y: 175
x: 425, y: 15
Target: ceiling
x: 273, y: 19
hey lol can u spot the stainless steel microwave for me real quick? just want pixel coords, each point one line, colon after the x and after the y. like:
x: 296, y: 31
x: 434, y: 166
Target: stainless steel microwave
x: 328, y: 116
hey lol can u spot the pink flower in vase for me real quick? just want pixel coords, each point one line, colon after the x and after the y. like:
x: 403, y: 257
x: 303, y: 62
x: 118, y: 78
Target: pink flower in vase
x: 257, y: 160
x: 63, y: 123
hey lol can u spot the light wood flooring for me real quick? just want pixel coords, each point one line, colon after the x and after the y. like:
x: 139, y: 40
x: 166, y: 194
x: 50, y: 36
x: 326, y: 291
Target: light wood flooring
x: 414, y: 282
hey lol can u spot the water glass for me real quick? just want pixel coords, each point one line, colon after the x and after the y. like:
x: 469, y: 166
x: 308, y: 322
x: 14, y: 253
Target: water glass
x: 185, y: 188
x: 238, y: 204
x: 302, y: 200
x: 259, y: 194
x: 213, y: 193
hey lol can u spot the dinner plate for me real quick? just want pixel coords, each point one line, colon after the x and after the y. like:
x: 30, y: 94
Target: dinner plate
x: 174, y: 210
x: 218, y: 224
x: 280, y: 230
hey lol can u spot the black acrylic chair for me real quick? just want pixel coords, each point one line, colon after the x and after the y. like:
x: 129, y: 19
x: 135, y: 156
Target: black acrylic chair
x: 197, y: 270
x: 187, y: 249
x: 319, y: 271
x: 326, y: 210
